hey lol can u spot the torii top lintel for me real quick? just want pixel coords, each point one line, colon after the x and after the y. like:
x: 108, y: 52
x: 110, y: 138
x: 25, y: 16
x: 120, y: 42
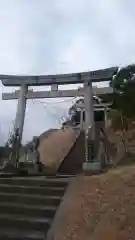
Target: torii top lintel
x: 73, y: 78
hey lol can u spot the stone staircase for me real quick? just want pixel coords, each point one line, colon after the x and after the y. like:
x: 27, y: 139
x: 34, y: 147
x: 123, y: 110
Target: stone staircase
x: 28, y: 205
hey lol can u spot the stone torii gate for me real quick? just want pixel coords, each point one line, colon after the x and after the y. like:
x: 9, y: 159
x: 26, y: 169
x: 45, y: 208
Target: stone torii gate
x: 55, y: 80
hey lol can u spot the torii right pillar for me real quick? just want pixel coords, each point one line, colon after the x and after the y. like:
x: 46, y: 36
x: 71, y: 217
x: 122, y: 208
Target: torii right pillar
x: 91, y: 164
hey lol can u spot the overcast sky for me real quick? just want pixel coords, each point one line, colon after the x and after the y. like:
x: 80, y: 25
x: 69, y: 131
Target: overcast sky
x: 57, y: 36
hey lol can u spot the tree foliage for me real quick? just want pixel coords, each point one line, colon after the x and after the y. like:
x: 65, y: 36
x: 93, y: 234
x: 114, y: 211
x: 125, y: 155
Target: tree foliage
x: 124, y: 91
x: 123, y: 100
x: 119, y: 122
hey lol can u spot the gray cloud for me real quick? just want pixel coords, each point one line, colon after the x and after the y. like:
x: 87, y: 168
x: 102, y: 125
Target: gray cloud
x: 41, y: 37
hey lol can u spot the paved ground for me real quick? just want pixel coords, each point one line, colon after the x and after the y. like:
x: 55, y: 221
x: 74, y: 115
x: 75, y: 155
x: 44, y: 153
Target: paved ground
x: 101, y: 208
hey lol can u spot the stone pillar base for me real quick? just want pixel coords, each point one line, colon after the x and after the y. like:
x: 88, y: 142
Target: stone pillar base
x: 90, y: 168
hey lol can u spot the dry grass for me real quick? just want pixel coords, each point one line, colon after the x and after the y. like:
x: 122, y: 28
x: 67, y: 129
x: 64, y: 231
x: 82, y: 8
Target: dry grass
x: 101, y: 208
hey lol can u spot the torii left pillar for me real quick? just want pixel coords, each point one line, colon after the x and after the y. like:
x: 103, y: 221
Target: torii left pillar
x: 21, y: 108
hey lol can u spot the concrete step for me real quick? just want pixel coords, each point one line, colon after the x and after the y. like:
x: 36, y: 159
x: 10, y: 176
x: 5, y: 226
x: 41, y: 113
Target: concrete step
x: 15, y: 234
x: 27, y: 210
x: 28, y: 205
x: 35, y: 181
x: 65, y: 176
x: 24, y: 223
x: 30, y: 199
x: 55, y: 191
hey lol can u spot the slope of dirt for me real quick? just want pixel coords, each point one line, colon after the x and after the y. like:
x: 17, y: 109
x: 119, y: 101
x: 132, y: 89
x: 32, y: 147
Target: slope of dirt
x: 115, y: 137
x: 73, y: 162
x: 42, y: 136
x: 98, y: 208
x: 55, y: 148
x: 47, y: 134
